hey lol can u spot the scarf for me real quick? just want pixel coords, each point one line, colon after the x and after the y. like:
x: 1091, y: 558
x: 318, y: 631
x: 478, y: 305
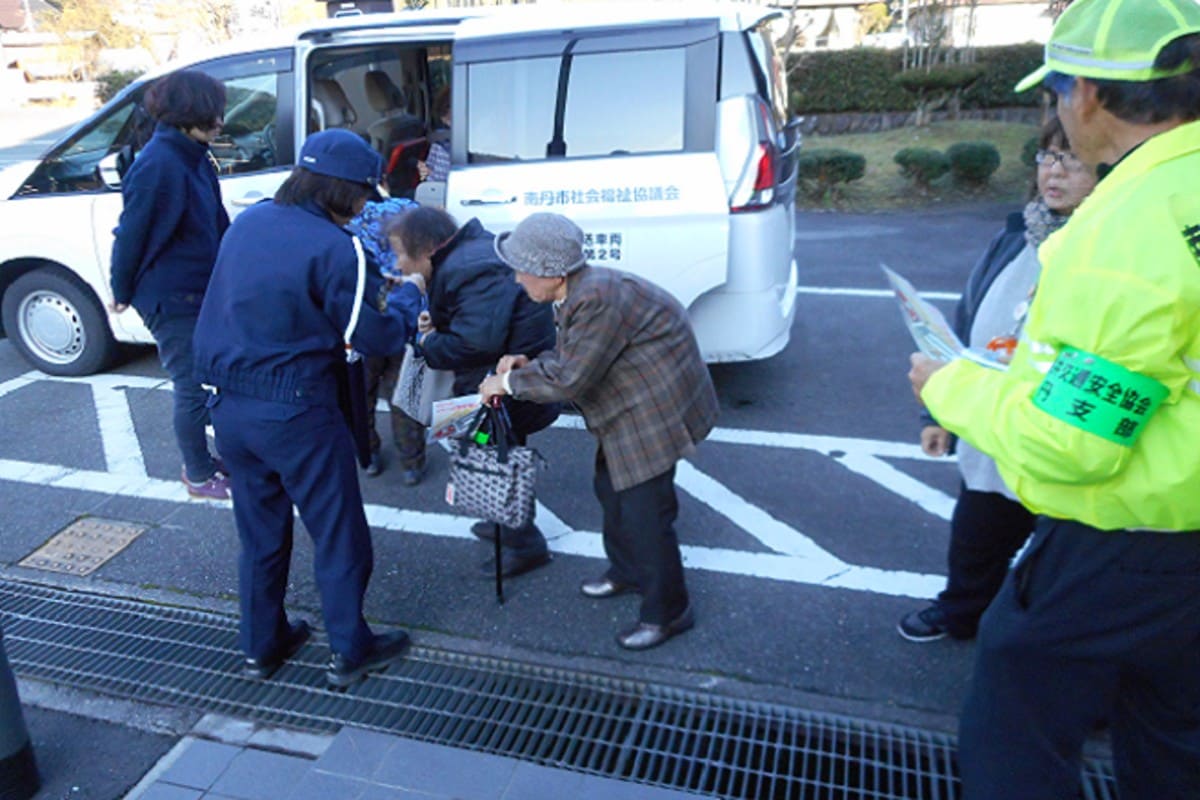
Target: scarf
x: 1040, y: 221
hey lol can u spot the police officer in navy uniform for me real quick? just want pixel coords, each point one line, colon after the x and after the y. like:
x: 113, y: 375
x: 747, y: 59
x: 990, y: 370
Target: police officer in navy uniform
x: 270, y: 344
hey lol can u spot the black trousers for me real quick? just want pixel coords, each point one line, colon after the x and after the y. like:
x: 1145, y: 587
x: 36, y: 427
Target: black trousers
x: 280, y: 454
x: 1089, y: 626
x: 640, y: 541
x: 986, y: 531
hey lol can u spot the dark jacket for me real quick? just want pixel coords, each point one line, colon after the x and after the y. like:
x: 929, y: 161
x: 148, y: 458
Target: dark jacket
x: 1004, y: 247
x: 480, y: 313
x: 170, y: 228
x: 278, y: 304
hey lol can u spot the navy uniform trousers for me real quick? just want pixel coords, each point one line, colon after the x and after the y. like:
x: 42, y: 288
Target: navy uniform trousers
x: 640, y: 541
x: 1090, y: 626
x: 279, y: 454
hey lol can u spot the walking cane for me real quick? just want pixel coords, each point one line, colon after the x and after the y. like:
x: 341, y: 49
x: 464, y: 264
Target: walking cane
x: 495, y: 403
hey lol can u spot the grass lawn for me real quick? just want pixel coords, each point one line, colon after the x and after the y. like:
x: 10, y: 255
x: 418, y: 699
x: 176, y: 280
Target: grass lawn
x: 882, y: 188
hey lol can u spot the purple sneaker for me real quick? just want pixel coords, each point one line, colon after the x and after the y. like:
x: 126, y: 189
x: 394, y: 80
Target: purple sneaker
x: 215, y: 488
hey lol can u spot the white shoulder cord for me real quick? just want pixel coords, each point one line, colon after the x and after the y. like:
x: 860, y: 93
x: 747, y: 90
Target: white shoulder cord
x: 359, y: 288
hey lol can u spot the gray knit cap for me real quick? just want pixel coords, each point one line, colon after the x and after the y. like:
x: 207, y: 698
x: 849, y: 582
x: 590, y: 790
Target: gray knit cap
x: 543, y: 244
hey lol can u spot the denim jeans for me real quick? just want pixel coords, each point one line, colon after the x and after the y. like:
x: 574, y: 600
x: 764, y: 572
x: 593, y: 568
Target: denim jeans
x: 173, y: 335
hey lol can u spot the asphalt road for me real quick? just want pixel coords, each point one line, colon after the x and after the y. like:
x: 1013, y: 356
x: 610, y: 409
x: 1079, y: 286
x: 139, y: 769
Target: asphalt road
x: 810, y: 520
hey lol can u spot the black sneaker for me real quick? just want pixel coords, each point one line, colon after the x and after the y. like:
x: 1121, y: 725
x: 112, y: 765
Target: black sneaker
x: 926, y: 625
x: 260, y: 669
x: 385, y: 650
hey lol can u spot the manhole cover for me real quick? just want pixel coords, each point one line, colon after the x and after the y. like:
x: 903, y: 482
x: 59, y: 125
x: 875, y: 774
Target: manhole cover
x: 83, y: 546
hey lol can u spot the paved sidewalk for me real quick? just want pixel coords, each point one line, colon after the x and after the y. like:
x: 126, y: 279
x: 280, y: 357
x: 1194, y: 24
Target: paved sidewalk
x: 229, y: 759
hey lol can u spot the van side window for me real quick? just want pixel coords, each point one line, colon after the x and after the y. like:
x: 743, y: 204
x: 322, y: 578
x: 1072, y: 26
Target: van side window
x: 611, y: 107
x: 248, y: 142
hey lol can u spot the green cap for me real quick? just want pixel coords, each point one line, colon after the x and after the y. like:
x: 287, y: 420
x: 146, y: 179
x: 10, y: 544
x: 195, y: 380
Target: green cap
x: 1116, y: 39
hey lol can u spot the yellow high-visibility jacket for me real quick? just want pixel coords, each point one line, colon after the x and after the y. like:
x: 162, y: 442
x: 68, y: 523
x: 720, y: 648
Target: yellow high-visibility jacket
x: 1121, y: 280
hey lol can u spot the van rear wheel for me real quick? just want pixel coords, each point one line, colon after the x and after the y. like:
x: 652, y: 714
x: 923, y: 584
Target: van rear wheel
x: 57, y: 324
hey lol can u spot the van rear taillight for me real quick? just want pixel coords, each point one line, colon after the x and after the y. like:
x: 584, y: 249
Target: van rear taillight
x: 764, y: 180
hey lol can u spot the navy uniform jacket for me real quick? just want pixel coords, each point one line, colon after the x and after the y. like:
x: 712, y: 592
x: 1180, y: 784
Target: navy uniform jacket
x: 278, y: 304
x: 170, y: 226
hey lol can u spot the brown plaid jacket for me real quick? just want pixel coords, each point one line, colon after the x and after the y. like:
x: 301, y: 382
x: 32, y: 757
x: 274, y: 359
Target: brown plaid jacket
x: 627, y: 357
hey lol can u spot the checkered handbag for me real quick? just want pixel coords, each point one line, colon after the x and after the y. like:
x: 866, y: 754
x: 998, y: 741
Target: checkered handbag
x: 491, y: 477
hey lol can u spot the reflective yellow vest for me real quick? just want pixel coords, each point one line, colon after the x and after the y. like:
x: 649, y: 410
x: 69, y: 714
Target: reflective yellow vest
x: 1120, y: 280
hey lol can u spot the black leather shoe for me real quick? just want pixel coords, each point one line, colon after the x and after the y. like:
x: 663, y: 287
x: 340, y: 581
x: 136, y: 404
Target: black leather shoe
x: 643, y: 636
x: 385, y: 650
x: 260, y: 669
x: 600, y: 588
x: 487, y: 531
x: 512, y: 565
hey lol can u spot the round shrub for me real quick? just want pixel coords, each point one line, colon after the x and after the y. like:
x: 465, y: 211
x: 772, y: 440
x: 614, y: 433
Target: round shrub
x: 973, y: 162
x: 922, y: 165
x: 823, y: 168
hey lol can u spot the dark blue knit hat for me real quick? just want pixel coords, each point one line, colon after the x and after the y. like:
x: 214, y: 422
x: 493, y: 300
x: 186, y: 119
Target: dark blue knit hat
x: 340, y: 153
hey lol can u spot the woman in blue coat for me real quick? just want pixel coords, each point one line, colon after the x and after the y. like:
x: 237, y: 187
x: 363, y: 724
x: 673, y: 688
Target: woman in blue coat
x: 166, y: 242
x: 289, y: 283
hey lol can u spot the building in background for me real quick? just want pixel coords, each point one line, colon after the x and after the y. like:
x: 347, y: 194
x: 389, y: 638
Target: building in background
x: 842, y: 24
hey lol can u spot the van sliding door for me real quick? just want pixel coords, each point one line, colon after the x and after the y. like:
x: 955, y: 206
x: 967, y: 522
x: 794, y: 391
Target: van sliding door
x: 612, y: 127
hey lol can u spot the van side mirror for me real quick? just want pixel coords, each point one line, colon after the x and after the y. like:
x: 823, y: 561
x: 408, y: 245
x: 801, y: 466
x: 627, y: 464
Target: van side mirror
x: 109, y: 171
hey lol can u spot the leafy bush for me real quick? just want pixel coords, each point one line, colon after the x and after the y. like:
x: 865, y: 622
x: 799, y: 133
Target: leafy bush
x: 935, y: 88
x: 110, y: 83
x: 973, y: 162
x: 1029, y: 152
x: 939, y: 79
x: 922, y: 165
x: 822, y: 169
x: 832, y: 81
x: 1002, y: 68
x: 828, y: 81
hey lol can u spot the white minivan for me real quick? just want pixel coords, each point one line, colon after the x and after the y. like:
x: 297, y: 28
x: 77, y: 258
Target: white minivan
x: 661, y: 130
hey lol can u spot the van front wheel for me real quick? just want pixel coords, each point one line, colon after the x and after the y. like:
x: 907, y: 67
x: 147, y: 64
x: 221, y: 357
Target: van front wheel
x: 58, y: 325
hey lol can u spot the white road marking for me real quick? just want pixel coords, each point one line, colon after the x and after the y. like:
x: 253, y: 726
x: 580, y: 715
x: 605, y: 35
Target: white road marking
x: 122, y: 451
x: 795, y: 557
x: 876, y: 293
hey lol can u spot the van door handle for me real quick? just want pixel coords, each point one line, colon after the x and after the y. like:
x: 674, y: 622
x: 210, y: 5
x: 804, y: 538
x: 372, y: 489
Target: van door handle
x: 248, y: 199
x: 479, y: 201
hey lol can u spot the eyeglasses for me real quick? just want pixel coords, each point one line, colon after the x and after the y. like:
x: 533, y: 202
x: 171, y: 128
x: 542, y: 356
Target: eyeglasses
x: 1048, y: 158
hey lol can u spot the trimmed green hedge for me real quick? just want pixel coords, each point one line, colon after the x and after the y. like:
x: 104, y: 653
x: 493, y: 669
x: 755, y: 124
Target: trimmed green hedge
x: 973, y: 162
x: 863, y: 79
x: 922, y: 165
x: 847, y: 80
x: 821, y: 169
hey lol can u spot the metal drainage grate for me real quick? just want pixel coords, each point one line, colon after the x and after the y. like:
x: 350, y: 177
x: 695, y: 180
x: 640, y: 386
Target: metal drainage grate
x: 624, y: 729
